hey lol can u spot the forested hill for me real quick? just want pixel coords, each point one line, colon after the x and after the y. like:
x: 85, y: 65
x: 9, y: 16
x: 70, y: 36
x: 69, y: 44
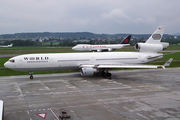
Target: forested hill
x: 56, y: 34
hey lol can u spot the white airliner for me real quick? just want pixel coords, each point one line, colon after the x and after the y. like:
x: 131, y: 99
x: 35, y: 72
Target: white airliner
x: 101, y: 48
x: 6, y: 46
x: 1, y: 110
x: 94, y: 62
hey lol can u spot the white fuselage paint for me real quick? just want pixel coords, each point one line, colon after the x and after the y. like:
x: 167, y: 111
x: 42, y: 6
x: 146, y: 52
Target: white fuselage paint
x: 72, y: 61
x: 88, y: 47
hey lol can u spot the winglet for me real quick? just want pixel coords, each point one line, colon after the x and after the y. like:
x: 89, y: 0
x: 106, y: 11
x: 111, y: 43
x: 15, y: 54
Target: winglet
x: 126, y: 40
x: 166, y: 64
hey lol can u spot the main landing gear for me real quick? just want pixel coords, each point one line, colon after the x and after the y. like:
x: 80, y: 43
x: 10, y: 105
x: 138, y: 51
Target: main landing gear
x: 106, y: 74
x: 31, y: 75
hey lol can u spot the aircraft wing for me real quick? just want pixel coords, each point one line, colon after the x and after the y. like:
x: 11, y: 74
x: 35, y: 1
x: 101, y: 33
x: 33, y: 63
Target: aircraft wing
x: 111, y: 66
x: 127, y: 66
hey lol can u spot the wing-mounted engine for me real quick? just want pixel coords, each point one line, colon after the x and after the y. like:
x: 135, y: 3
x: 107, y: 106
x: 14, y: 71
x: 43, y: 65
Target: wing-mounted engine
x: 146, y: 47
x: 99, y: 50
x: 88, y: 71
x: 110, y: 49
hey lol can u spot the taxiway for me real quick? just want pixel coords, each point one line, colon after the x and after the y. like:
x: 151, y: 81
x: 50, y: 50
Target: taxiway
x: 129, y: 95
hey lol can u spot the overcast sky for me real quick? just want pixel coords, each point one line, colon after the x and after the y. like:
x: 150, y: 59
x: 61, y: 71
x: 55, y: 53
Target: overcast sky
x: 97, y: 16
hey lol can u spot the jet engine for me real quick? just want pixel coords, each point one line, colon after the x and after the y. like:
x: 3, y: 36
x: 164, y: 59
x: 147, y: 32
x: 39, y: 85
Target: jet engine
x: 88, y: 71
x: 165, y: 45
x: 110, y: 49
x: 146, y: 47
x: 99, y: 50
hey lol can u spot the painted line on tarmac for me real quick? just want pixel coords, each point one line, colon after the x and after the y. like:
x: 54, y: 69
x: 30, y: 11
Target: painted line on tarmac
x: 54, y: 114
x: 152, y: 88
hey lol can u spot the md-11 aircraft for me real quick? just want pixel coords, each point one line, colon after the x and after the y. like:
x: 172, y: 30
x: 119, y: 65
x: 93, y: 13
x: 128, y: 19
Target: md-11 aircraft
x: 102, y: 48
x: 6, y: 46
x: 93, y: 62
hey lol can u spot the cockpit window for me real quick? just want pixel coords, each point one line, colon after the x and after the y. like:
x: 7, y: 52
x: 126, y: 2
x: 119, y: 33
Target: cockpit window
x: 12, y: 60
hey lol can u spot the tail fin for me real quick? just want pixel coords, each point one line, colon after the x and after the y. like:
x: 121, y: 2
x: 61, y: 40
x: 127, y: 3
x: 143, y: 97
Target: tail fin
x: 126, y: 40
x: 157, y: 35
x: 10, y: 45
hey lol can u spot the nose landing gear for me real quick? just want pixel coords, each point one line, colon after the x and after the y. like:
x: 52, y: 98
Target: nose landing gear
x: 31, y: 75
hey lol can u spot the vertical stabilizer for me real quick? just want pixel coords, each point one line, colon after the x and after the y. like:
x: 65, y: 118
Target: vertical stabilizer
x: 156, y: 36
x: 153, y: 44
x: 126, y: 40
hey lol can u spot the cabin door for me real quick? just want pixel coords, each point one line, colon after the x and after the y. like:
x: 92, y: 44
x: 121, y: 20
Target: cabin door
x: 20, y: 62
x: 51, y: 61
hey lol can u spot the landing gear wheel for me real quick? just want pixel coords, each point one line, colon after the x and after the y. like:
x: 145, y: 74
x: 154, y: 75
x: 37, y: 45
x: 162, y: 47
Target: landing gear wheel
x: 31, y: 77
x: 103, y: 74
x: 106, y: 74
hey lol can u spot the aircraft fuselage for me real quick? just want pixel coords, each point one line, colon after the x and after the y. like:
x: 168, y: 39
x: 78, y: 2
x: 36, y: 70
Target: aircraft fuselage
x: 72, y: 61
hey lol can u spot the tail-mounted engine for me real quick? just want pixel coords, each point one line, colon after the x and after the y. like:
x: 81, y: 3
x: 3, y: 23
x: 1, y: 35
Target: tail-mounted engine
x: 165, y: 45
x: 88, y: 71
x: 148, y: 47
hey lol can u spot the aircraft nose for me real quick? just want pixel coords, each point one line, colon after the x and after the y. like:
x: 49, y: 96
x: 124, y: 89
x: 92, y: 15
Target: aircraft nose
x: 7, y: 65
x: 74, y: 48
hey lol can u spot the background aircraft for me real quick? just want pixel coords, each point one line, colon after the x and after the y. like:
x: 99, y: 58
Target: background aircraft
x: 101, y: 48
x: 6, y: 46
x: 94, y: 62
